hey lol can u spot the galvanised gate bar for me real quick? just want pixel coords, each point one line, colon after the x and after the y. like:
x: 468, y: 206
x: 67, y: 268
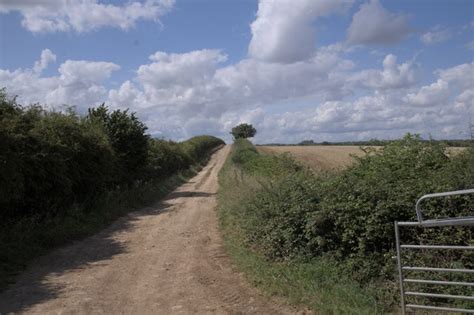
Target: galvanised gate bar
x: 404, y: 270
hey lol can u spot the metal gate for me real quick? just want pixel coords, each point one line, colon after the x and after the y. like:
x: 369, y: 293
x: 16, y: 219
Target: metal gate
x: 403, y: 270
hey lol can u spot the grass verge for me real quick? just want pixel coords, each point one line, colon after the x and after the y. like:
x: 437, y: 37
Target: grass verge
x: 318, y: 284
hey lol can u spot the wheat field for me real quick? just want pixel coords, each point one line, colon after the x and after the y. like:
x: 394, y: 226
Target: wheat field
x: 327, y: 158
x: 318, y: 158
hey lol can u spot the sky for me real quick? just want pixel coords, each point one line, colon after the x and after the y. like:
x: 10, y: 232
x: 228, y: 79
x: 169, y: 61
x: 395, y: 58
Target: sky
x: 326, y: 70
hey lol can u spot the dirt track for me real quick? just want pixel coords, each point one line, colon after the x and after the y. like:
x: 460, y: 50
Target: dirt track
x: 164, y: 259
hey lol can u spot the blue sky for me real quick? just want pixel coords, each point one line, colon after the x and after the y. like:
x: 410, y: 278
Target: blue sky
x: 309, y: 69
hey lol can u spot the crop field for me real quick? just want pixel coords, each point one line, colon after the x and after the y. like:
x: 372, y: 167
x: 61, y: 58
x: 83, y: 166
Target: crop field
x: 318, y: 158
x: 327, y: 158
x: 330, y: 235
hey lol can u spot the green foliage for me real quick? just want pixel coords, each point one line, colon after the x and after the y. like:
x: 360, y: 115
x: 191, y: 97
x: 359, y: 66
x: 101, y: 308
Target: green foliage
x: 243, y: 131
x: 199, y: 146
x: 277, y: 217
x: 382, y: 187
x: 244, y: 152
x: 168, y: 157
x: 50, y: 160
x: 128, y: 139
x: 254, y: 209
x: 58, y: 167
x: 165, y: 158
x: 295, y: 215
x: 246, y: 156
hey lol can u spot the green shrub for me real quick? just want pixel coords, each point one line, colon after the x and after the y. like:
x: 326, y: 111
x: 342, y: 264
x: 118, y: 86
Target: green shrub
x: 277, y: 217
x: 381, y: 188
x: 166, y: 158
x: 50, y: 160
x: 246, y: 156
x: 59, y: 172
x: 197, y: 148
x: 349, y: 216
x: 265, y: 214
x: 127, y: 137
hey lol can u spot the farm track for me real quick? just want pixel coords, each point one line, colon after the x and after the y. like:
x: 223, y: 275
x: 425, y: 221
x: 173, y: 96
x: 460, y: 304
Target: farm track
x: 164, y: 259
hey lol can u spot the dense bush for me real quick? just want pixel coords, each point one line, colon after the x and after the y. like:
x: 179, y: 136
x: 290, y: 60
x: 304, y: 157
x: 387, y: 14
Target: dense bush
x: 165, y: 158
x: 199, y: 146
x: 127, y: 137
x: 349, y: 216
x: 50, y: 161
x: 168, y: 157
x: 362, y: 203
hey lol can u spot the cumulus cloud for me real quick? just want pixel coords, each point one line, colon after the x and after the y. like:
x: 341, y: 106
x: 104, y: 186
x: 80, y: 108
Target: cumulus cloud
x: 461, y: 75
x: 437, y: 35
x: 284, y: 30
x: 431, y: 94
x: 373, y: 24
x: 47, y: 57
x: 196, y: 82
x: 79, y: 83
x: 321, y: 98
x: 81, y: 16
x: 393, y: 75
x: 440, y: 109
x: 180, y: 70
x: 195, y: 86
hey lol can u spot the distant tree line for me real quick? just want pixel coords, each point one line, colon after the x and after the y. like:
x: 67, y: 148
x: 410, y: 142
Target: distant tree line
x: 377, y: 142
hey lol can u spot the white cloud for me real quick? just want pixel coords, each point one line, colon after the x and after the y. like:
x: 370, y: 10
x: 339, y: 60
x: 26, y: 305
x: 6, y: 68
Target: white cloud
x: 453, y: 90
x: 393, y: 75
x: 373, y: 24
x: 79, y: 83
x: 86, y: 71
x: 180, y: 70
x: 195, y: 82
x: 283, y: 30
x: 383, y: 116
x: 440, y: 109
x: 47, y: 57
x: 430, y: 95
x: 322, y: 98
x: 436, y: 35
x: 184, y: 89
x: 81, y: 16
x: 461, y: 75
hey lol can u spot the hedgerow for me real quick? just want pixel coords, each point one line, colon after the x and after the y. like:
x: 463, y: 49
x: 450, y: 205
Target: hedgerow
x: 52, y: 160
x: 58, y: 168
x: 349, y: 217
